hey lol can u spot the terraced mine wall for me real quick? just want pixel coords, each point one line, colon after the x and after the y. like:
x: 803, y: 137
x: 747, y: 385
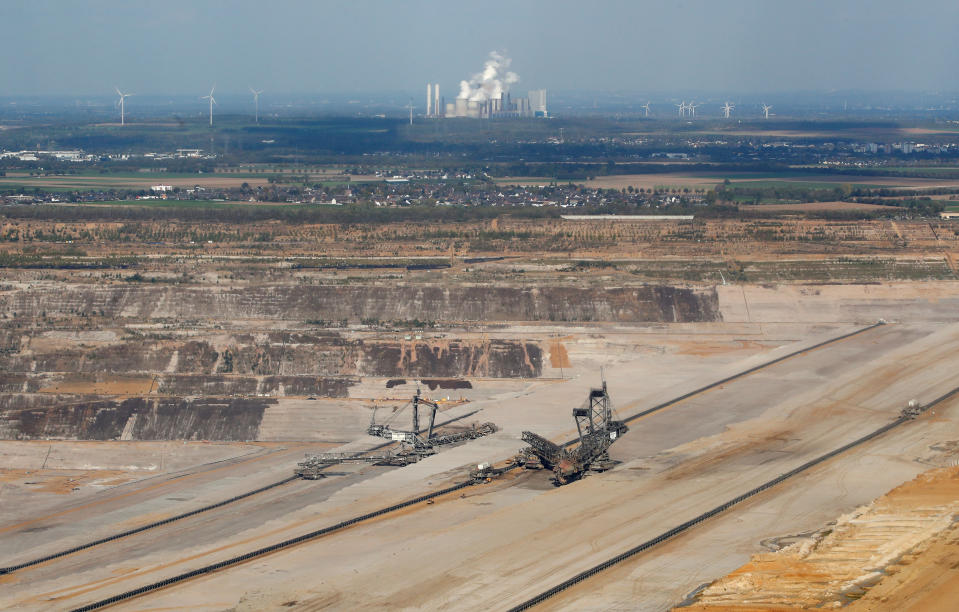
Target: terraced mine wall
x: 77, y: 418
x: 277, y: 358
x: 58, y: 387
x: 173, y: 384
x: 386, y: 303
x: 75, y: 364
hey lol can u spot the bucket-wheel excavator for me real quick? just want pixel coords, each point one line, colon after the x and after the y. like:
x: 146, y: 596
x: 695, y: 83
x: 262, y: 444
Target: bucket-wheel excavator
x: 589, y: 453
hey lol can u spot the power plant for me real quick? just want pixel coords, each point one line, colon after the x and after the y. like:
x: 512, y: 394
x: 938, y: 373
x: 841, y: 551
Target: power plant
x: 486, y: 95
x: 534, y: 105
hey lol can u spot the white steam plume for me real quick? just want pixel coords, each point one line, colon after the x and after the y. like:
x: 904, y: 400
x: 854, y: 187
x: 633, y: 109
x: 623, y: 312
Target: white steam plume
x: 492, y: 82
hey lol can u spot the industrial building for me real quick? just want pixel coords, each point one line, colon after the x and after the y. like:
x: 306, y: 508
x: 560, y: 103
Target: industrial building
x: 533, y: 105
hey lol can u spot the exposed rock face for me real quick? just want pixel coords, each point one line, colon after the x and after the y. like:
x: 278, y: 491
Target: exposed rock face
x: 133, y: 356
x: 397, y: 302
x: 497, y: 359
x: 273, y: 359
x: 185, y: 378
x: 186, y: 384
x: 135, y: 419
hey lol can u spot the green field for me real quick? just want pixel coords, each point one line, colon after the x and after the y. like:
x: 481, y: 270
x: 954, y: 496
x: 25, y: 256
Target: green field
x: 11, y: 187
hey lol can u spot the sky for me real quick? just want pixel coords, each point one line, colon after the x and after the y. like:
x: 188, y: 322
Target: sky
x: 178, y: 47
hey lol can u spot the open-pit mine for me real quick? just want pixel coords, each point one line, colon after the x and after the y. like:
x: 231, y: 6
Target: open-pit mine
x: 225, y: 423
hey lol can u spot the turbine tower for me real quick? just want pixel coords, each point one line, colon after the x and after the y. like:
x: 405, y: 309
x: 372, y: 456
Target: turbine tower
x: 727, y: 108
x: 411, y: 107
x: 682, y: 108
x: 212, y: 102
x: 646, y: 106
x: 256, y: 104
x: 122, y: 97
x: 766, y: 109
x: 692, y: 109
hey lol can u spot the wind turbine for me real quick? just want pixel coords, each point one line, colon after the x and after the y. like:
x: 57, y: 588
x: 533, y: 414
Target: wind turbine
x: 726, y: 109
x: 766, y: 109
x: 122, y: 96
x: 682, y: 108
x: 256, y: 104
x: 692, y: 109
x: 212, y: 102
x: 411, y: 107
x: 646, y: 106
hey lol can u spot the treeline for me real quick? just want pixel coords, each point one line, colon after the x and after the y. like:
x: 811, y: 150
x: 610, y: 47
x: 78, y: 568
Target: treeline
x: 289, y: 214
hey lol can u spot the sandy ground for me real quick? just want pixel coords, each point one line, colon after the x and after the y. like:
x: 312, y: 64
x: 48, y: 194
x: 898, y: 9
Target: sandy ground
x: 838, y: 302
x: 924, y: 581
x: 502, y: 546
x: 502, y: 543
x: 843, y: 560
x: 53, y: 478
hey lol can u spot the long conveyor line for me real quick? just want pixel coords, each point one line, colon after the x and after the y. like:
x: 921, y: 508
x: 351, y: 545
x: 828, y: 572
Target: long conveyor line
x: 313, y: 535
x: 749, y: 371
x: 580, y: 577
x: 172, y: 519
x: 738, y: 375
x: 269, y: 549
x: 141, y: 528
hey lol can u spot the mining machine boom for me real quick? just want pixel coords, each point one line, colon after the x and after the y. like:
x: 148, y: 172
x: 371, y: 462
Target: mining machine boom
x: 311, y: 468
x: 413, y: 445
x: 426, y: 444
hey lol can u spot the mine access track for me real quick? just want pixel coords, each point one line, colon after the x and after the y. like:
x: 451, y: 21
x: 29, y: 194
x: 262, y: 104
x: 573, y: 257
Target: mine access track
x: 582, y: 576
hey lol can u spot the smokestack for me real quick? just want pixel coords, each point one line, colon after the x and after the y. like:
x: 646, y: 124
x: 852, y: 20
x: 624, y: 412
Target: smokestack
x: 436, y: 99
x: 429, y: 99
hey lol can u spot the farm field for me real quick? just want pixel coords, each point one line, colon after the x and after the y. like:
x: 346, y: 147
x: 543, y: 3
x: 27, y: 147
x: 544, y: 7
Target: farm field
x: 815, y: 206
x: 710, y: 180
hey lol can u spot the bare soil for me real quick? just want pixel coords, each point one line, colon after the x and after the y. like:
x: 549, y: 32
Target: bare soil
x: 899, y: 543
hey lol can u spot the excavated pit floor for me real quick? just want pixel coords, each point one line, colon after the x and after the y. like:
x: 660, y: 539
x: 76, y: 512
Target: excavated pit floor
x: 500, y: 543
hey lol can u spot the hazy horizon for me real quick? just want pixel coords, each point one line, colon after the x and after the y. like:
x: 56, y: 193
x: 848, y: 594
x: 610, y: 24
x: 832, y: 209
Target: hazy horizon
x: 182, y: 48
